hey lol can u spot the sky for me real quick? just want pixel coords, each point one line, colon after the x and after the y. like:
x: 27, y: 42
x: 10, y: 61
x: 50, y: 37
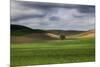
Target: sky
x: 49, y: 16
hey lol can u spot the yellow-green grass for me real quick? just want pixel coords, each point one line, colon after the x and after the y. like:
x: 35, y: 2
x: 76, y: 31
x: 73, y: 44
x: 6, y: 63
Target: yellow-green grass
x: 53, y: 52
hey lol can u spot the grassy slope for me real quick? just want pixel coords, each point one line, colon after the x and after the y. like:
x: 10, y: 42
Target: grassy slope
x: 18, y: 30
x: 52, y: 52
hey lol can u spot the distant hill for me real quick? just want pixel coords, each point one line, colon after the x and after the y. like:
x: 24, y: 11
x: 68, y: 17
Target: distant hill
x: 18, y: 30
x: 88, y: 34
x: 65, y: 32
x: 22, y: 34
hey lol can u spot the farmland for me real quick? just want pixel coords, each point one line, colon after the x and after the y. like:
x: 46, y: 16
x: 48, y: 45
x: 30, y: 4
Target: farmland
x: 53, y: 52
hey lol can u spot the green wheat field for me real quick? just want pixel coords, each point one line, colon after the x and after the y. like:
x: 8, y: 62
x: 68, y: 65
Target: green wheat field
x: 53, y: 52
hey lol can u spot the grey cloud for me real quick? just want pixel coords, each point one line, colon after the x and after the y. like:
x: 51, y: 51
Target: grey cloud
x: 47, y: 6
x: 53, y: 16
x: 26, y: 17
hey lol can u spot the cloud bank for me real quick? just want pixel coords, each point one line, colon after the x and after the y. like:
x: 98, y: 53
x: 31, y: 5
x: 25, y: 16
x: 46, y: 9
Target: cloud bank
x: 46, y: 16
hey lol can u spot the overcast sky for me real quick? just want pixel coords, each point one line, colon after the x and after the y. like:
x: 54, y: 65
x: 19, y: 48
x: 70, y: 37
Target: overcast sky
x: 53, y: 16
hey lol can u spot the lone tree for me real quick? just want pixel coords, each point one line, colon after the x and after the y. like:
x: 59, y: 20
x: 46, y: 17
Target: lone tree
x: 62, y: 36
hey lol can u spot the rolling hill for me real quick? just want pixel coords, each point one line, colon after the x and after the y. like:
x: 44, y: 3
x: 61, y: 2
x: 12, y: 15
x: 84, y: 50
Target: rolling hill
x: 22, y: 34
x: 88, y: 34
x: 18, y: 30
